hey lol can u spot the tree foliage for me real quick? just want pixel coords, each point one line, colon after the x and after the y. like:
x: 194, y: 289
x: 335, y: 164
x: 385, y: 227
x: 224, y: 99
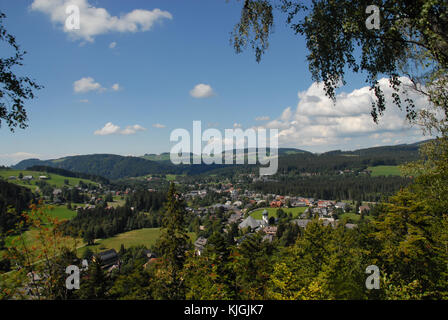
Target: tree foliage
x: 412, y: 40
x: 14, y: 89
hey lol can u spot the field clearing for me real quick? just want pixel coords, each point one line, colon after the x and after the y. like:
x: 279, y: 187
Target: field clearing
x: 117, y: 203
x: 61, y: 212
x: 353, y: 216
x: 170, y: 177
x: 385, y: 171
x: 54, y: 179
x: 145, y: 236
x: 31, y: 239
x: 273, y: 212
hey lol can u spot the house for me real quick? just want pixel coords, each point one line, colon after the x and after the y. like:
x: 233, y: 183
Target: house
x: 270, y: 230
x: 324, y: 203
x: 219, y: 205
x: 12, y: 178
x: 27, y: 178
x: 237, y: 204
x: 341, y: 205
x: 234, y: 217
x: 199, y: 245
x: 302, y: 222
x: 276, y: 204
x: 363, y: 209
x: 250, y: 222
x: 108, y: 259
x: 149, y: 254
x: 57, y: 192
x: 43, y: 178
x: 299, y: 204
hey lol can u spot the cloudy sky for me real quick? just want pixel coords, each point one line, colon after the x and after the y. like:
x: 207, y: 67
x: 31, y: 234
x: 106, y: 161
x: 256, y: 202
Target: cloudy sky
x: 137, y: 70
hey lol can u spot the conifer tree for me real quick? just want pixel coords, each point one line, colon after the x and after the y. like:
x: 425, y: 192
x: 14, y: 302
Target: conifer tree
x: 172, y: 246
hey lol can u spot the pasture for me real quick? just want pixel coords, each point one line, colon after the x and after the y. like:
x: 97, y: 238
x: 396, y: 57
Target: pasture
x: 385, y: 171
x: 296, y: 211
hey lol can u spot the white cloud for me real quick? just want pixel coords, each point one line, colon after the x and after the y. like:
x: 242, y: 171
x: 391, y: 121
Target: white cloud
x: 86, y: 84
x: 202, y: 91
x: 158, y: 125
x: 112, y: 45
x: 237, y: 125
x: 110, y: 128
x: 132, y: 129
x: 263, y: 118
x: 84, y: 101
x: 97, y: 21
x: 319, y: 124
x: 116, y: 87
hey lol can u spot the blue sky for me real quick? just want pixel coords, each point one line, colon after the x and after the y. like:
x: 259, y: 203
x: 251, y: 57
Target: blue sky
x: 155, y: 68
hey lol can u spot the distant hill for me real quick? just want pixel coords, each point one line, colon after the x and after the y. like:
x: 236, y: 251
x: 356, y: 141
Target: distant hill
x: 157, y: 157
x: 53, y: 179
x: 106, y: 165
x: 116, y: 167
x: 67, y: 173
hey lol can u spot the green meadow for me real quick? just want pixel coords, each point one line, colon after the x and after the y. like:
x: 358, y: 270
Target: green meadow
x: 61, y: 212
x: 53, y: 179
x: 273, y: 212
x: 353, y: 216
x: 384, y: 171
x: 145, y: 236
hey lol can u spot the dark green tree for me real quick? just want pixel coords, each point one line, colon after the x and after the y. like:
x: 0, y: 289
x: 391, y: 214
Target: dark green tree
x: 172, y: 246
x: 96, y: 284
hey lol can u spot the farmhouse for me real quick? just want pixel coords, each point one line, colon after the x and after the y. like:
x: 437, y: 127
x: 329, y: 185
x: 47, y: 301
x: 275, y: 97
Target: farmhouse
x: 341, y: 205
x: 108, y: 259
x: 302, y: 222
x: 250, y: 222
x: 363, y: 208
x: 199, y: 245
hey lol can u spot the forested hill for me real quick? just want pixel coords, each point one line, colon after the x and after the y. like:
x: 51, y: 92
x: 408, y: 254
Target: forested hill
x: 333, y: 161
x: 106, y: 165
x: 290, y: 161
x: 68, y: 173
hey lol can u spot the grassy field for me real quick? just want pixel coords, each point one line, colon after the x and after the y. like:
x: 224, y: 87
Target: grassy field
x: 353, y: 216
x: 62, y: 213
x: 384, y: 171
x: 54, y: 179
x: 170, y: 177
x: 145, y: 236
x: 117, y: 203
x: 273, y: 212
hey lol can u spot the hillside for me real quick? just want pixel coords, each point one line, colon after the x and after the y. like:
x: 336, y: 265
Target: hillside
x: 107, y: 165
x: 291, y: 160
x: 54, y: 180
